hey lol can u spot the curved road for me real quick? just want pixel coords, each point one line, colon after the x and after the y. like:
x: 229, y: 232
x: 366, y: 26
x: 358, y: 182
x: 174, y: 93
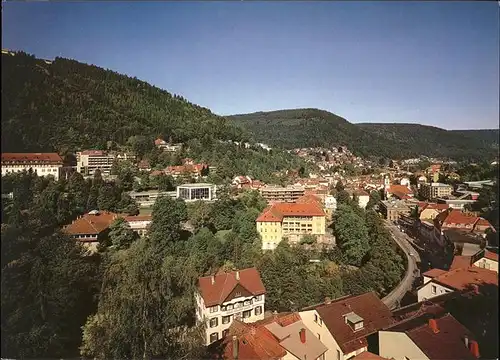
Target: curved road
x: 394, y: 297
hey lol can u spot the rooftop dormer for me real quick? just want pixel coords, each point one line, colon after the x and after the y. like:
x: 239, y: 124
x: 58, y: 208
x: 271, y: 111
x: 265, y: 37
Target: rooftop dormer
x: 354, y: 321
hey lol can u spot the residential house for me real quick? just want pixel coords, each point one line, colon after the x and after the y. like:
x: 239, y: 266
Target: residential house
x: 344, y: 324
x: 139, y: 223
x: 227, y: 296
x: 363, y: 196
x: 428, y: 337
x: 190, y: 170
x: 488, y: 260
x: 144, y: 165
x: 398, y: 191
x: 437, y: 282
x: 246, y: 183
x: 429, y: 211
x: 281, y: 336
x: 42, y: 164
x: 290, y: 220
x: 433, y: 171
x: 91, y: 228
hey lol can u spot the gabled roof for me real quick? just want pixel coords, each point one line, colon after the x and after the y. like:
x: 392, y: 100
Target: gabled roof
x: 308, y: 199
x: 216, y: 293
x: 366, y: 355
x: 42, y: 157
x: 376, y: 315
x: 399, y: 188
x: 461, y: 279
x: 90, y: 224
x: 433, y: 273
x: 460, y: 262
x: 277, y: 211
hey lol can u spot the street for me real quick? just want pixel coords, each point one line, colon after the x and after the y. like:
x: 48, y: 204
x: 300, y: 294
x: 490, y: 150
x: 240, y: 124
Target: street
x: 393, y: 299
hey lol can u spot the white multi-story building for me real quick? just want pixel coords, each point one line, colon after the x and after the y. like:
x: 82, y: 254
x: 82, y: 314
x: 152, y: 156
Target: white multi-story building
x: 199, y: 191
x: 42, y: 164
x: 227, y: 296
x: 88, y: 161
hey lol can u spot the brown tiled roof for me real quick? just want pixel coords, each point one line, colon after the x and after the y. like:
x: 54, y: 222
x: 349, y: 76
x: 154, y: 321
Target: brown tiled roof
x: 461, y: 279
x: 39, y: 157
x: 460, y: 262
x: 215, y: 294
x: 399, y: 188
x: 277, y: 211
x: 308, y: 199
x: 138, y: 218
x: 366, y: 355
x: 376, y: 315
x: 448, y: 343
x: 491, y: 255
x: 433, y: 273
x: 91, y: 224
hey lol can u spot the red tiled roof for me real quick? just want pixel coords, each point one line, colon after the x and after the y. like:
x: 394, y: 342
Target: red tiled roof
x: 366, y: 355
x: 42, y: 157
x: 159, y: 142
x: 376, y: 315
x: 308, y: 199
x: 277, y: 211
x: 215, y: 294
x: 399, y: 188
x: 400, y: 195
x: 433, y: 273
x: 462, y: 279
x: 91, y: 224
x: 491, y: 255
x: 460, y: 262
x: 448, y: 343
x: 138, y: 218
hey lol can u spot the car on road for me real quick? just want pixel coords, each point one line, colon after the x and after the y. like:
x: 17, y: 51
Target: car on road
x: 411, y: 254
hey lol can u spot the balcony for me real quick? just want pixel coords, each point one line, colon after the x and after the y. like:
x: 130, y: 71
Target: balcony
x: 237, y: 310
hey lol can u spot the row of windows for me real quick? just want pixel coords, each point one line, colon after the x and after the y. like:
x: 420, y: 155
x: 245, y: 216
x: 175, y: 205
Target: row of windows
x: 237, y: 305
x: 214, y: 322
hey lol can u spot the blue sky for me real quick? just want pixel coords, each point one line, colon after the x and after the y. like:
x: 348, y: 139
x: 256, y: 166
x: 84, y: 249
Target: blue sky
x: 434, y: 63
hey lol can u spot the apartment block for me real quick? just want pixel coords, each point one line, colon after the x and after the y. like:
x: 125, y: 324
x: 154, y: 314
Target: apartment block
x: 228, y: 296
x: 274, y: 194
x: 42, y: 164
x: 435, y: 190
x: 88, y: 161
x: 290, y: 220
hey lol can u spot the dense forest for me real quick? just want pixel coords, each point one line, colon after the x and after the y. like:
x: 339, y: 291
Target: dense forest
x: 134, y: 298
x: 313, y: 127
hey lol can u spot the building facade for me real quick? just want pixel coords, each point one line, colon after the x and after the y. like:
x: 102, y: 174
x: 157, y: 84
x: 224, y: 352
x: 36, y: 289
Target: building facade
x: 290, y: 220
x: 88, y: 161
x: 148, y: 198
x: 274, y: 194
x: 435, y: 190
x: 225, y: 297
x: 199, y: 191
x: 42, y: 164
x: 393, y: 209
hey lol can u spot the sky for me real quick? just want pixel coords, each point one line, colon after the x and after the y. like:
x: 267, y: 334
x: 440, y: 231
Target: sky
x: 432, y: 63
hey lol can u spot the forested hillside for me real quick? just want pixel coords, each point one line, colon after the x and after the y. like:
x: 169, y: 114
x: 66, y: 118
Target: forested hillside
x: 66, y: 106
x: 312, y: 127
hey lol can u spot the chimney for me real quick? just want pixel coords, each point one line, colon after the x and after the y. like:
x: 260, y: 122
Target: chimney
x: 433, y: 325
x: 213, y: 279
x: 238, y: 275
x: 466, y: 341
x: 236, y: 349
x: 328, y: 301
x: 302, y: 335
x: 474, y: 348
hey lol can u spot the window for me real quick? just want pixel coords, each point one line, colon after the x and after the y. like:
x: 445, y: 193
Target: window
x: 247, y: 302
x: 214, y: 337
x: 238, y: 294
x: 230, y: 307
x: 214, y: 322
x: 258, y: 310
x: 433, y: 289
x: 315, y: 318
x: 226, y: 319
x: 214, y: 309
x: 319, y: 337
x: 237, y: 305
x: 258, y: 298
x: 225, y: 332
x: 338, y: 354
x: 247, y: 314
x: 320, y: 322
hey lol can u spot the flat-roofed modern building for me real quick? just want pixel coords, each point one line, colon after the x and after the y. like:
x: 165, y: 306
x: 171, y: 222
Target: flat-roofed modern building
x: 281, y: 194
x: 148, y: 198
x: 42, y: 164
x: 194, y: 192
x: 88, y: 161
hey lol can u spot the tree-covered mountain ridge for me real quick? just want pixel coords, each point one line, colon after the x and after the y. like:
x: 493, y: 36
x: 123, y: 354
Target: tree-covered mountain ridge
x: 313, y: 127
x: 64, y: 104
